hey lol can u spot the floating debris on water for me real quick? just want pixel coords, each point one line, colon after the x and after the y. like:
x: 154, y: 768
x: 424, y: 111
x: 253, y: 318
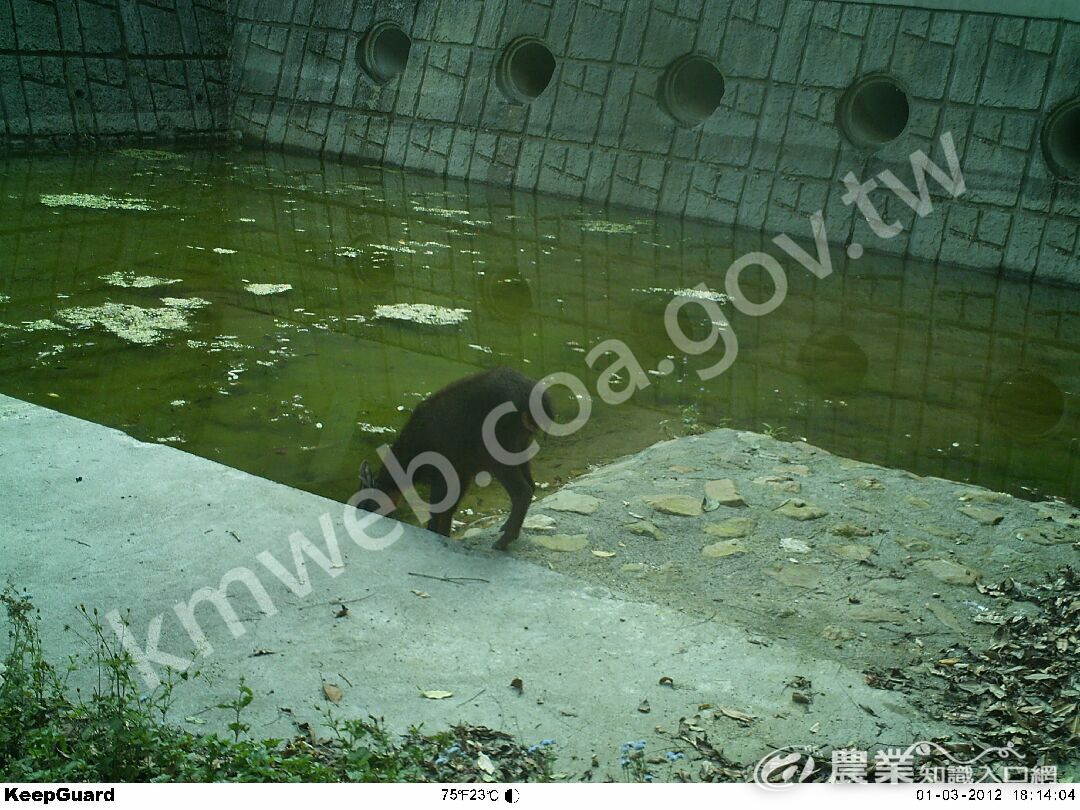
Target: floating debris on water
x: 369, y: 428
x: 246, y: 219
x: 142, y: 325
x: 33, y: 326
x: 688, y: 292
x: 422, y: 313
x: 4, y: 298
x: 449, y: 213
x: 224, y: 251
x: 185, y: 303
x: 99, y: 201
x: 148, y: 154
x: 122, y: 278
x: 605, y: 226
x: 267, y: 289
x: 178, y: 403
x: 402, y: 248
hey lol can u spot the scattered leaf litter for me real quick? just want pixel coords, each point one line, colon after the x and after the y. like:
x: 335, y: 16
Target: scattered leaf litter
x: 99, y: 201
x: 422, y: 313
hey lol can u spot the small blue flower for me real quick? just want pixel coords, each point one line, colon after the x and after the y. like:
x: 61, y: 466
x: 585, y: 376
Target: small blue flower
x: 441, y: 761
x: 454, y: 749
x: 639, y: 745
x: 532, y: 749
x: 625, y: 747
x: 648, y: 777
x: 547, y: 742
x: 625, y: 762
x: 673, y: 756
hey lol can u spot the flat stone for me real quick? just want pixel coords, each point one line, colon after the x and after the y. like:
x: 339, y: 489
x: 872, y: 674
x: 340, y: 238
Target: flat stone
x: 681, y: 505
x: 800, y: 510
x: 1045, y: 535
x: 948, y: 572
x: 682, y: 469
x: 539, y: 523
x: 645, y: 528
x: 566, y: 500
x: 918, y: 503
x: 795, y: 469
x: 723, y: 492
x: 633, y: 568
x: 987, y: 517
x: 853, y: 551
x: 913, y: 544
x: 732, y: 527
x: 780, y: 482
x: 985, y: 496
x: 834, y: 632
x: 850, y: 530
x: 877, y: 615
x: 868, y: 483
x: 724, y: 548
x: 798, y: 576
x: 563, y: 542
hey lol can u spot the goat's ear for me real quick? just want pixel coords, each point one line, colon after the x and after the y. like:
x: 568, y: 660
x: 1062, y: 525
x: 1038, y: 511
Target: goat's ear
x: 366, y: 477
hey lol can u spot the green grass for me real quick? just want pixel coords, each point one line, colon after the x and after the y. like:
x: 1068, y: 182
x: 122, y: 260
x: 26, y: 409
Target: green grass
x: 50, y: 733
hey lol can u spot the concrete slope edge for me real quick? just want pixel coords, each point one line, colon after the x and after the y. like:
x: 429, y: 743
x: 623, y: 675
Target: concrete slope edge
x: 230, y: 563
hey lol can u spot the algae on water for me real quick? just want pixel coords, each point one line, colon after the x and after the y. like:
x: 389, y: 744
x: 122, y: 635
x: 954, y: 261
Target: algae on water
x: 267, y: 289
x: 142, y: 325
x: 99, y: 201
x: 422, y: 313
x: 128, y: 279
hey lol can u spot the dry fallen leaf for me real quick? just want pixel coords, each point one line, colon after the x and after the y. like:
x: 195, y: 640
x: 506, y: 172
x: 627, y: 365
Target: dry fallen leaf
x: 484, y: 763
x: 735, y: 714
x: 341, y: 614
x: 518, y: 684
x: 666, y: 681
x: 333, y: 692
x: 600, y: 553
x: 421, y: 594
x: 260, y: 652
x: 644, y: 706
x: 435, y: 694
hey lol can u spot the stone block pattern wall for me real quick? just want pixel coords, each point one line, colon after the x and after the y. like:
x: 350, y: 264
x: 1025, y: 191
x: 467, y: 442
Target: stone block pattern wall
x: 79, y: 72
x: 770, y: 156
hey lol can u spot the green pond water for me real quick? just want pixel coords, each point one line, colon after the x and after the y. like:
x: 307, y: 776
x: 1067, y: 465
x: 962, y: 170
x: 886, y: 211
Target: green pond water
x: 227, y: 304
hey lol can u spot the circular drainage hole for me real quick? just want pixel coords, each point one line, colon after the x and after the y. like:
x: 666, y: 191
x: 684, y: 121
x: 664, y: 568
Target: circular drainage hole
x: 1061, y: 140
x: 873, y: 111
x: 691, y: 89
x: 384, y: 51
x: 525, y: 69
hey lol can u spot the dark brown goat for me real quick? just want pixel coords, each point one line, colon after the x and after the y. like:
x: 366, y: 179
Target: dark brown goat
x: 450, y: 424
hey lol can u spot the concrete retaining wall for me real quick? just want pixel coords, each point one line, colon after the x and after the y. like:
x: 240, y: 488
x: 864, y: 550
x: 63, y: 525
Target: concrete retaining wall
x: 79, y: 72
x: 769, y: 156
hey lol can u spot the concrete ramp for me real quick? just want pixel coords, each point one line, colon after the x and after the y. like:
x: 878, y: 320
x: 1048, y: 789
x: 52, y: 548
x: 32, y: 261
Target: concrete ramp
x: 91, y: 516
